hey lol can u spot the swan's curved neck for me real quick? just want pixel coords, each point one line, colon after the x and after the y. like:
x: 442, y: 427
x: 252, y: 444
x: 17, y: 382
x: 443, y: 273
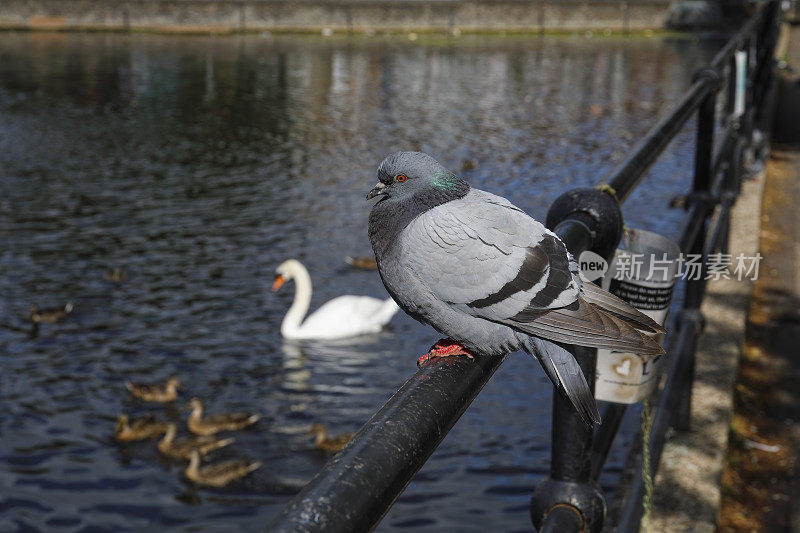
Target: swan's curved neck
x: 302, y: 300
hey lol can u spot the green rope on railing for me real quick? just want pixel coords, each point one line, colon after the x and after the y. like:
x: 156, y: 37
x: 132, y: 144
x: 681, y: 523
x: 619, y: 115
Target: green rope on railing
x: 608, y: 189
x: 647, y: 474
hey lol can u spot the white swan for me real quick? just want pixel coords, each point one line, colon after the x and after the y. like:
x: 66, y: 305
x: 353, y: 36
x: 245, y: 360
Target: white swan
x: 345, y: 316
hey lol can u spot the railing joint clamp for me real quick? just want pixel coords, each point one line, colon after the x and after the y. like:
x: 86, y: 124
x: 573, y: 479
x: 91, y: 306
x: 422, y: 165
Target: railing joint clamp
x: 712, y: 74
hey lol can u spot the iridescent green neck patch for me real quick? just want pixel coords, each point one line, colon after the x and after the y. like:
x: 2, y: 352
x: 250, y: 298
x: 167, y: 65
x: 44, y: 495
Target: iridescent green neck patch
x: 444, y: 180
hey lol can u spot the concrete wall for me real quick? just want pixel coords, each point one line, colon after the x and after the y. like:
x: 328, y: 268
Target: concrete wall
x: 347, y: 15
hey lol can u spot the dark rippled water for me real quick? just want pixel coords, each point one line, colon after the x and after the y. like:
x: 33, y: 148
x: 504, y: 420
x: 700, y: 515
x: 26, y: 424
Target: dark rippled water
x: 196, y: 165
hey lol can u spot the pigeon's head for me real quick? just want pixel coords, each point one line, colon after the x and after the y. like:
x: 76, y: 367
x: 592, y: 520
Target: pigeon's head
x: 411, y: 174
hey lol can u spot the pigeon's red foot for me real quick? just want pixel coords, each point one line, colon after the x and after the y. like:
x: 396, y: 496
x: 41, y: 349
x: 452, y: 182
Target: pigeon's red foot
x: 444, y: 348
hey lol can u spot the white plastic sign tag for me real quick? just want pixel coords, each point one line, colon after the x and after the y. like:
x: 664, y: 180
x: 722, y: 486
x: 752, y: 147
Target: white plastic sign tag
x: 644, y: 276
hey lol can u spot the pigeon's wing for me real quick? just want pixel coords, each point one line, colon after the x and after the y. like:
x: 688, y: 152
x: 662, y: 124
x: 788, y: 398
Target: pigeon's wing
x: 619, y: 308
x: 487, y: 258
x: 587, y: 325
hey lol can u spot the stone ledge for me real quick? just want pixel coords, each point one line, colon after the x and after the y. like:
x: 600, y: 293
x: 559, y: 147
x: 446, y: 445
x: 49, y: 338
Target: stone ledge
x: 215, y: 16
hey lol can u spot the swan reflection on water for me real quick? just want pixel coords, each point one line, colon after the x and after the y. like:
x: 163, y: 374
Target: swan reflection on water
x: 346, y: 360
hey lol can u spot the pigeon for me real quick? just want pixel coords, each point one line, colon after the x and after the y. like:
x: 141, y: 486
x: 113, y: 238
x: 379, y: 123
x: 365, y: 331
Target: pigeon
x: 491, y: 278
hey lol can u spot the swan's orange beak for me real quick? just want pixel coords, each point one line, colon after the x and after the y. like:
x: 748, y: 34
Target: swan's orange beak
x: 278, y: 282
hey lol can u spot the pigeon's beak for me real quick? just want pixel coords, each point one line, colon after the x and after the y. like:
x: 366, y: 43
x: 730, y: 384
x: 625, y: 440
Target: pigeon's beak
x: 278, y: 282
x: 377, y: 190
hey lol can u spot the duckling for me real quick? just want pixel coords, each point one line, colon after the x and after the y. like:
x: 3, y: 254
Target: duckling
x: 219, y: 474
x: 153, y: 392
x: 138, y: 429
x: 182, y: 448
x: 324, y: 442
x: 220, y: 422
x: 50, y: 314
x: 362, y: 263
x: 114, y: 274
x: 678, y: 202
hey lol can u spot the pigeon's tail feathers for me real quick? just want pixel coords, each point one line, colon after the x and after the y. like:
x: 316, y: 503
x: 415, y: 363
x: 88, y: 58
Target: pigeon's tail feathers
x: 587, y: 325
x: 563, y: 370
x: 619, y: 308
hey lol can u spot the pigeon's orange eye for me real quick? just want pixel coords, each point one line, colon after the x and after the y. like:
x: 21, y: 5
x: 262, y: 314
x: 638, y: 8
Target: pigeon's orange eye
x: 401, y: 178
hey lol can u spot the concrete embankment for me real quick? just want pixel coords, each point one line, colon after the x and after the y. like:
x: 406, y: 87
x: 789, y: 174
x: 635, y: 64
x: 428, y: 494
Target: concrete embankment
x: 219, y: 16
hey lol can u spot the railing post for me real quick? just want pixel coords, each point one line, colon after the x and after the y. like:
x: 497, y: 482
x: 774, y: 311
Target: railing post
x: 570, y: 500
x: 570, y: 485
x: 701, y: 194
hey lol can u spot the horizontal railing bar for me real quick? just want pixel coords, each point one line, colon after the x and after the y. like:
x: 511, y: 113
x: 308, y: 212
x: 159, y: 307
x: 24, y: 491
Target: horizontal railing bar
x: 736, y: 41
x: 624, y: 178
x: 575, y: 235
x: 354, y: 490
x: 686, y: 339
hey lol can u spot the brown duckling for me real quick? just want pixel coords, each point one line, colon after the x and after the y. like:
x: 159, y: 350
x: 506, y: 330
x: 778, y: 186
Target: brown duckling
x: 154, y: 392
x: 678, y: 202
x: 362, y: 263
x: 114, y: 274
x: 219, y: 474
x: 219, y: 422
x: 138, y: 429
x: 324, y: 442
x: 50, y: 314
x: 182, y: 448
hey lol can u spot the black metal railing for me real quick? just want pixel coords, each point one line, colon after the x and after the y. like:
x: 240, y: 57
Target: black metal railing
x: 356, y: 488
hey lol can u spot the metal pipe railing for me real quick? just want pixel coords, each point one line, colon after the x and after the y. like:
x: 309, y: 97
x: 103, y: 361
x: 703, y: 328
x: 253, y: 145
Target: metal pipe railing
x: 627, y: 175
x: 356, y: 488
x: 359, y: 484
